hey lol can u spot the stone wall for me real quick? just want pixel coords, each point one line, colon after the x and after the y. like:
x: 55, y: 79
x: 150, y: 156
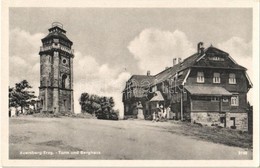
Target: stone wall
x: 213, y: 118
x: 46, y: 95
x: 205, y: 118
x: 65, y: 100
x: 56, y: 69
x: 56, y: 107
x: 42, y: 98
x: 241, y: 121
x: 50, y: 99
x: 46, y: 70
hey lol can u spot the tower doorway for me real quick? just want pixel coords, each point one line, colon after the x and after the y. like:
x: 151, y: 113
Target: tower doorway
x: 63, y: 81
x: 65, y: 104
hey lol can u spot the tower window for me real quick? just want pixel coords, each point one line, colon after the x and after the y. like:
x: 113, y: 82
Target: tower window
x: 63, y: 82
x: 56, y: 40
x: 64, y: 61
x: 216, y: 78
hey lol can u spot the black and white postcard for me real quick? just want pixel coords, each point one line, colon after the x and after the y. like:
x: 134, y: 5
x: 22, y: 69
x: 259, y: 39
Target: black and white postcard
x: 119, y: 83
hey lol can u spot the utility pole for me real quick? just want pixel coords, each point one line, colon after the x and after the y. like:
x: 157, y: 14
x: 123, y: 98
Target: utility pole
x: 181, y: 92
x: 181, y: 105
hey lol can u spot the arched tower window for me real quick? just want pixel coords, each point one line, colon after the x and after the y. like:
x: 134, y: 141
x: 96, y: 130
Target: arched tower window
x: 63, y: 82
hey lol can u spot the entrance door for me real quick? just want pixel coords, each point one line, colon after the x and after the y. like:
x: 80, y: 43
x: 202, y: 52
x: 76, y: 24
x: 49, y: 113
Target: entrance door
x: 223, y: 121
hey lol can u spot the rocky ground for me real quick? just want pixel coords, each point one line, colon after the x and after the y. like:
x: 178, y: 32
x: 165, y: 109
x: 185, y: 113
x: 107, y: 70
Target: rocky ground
x: 81, y: 138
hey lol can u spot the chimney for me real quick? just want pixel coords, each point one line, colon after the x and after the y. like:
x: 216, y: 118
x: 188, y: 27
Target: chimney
x: 148, y: 73
x: 166, y: 68
x: 174, y: 61
x: 200, y: 48
x: 179, y: 60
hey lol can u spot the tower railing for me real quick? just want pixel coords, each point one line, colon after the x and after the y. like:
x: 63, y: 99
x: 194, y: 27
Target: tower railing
x: 57, y: 46
x: 57, y: 24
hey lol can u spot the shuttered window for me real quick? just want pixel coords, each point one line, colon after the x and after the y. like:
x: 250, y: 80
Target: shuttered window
x: 200, y: 77
x: 232, y: 78
x: 216, y: 78
x: 234, y: 100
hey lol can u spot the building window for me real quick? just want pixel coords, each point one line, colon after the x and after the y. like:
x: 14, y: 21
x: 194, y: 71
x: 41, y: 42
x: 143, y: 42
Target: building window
x: 200, y: 77
x: 215, y: 99
x: 225, y: 99
x: 216, y: 78
x: 234, y: 122
x: 234, y: 100
x: 222, y: 120
x: 154, y: 88
x: 232, y: 78
x: 216, y: 58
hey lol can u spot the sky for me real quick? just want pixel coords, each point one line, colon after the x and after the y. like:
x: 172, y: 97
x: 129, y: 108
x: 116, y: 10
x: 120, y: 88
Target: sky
x: 111, y: 44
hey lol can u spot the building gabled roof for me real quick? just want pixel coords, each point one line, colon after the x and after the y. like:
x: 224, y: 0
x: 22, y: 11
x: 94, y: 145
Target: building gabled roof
x: 142, y: 78
x: 250, y: 84
x: 229, y: 63
x: 140, y: 81
x: 181, y: 70
x: 192, y: 61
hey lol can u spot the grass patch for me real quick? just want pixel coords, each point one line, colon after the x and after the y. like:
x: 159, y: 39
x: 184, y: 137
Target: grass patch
x: 60, y: 115
x: 217, y: 135
x: 15, y: 121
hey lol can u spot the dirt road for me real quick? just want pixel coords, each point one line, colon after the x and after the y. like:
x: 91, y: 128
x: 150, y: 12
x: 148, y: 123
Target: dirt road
x: 74, y: 138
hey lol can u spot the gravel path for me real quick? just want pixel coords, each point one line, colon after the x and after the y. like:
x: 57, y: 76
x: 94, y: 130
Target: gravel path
x: 75, y: 138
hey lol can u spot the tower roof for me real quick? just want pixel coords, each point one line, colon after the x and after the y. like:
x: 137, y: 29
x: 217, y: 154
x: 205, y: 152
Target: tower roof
x: 57, y: 31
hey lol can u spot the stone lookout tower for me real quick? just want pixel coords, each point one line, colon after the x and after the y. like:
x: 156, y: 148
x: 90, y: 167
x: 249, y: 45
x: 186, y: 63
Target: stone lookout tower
x: 56, y: 72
